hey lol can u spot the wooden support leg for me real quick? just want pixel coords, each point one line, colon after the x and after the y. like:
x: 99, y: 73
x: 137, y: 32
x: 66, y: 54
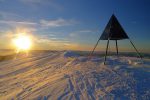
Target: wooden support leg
x: 136, y: 49
x: 106, y: 52
x: 117, y: 47
x: 94, y: 49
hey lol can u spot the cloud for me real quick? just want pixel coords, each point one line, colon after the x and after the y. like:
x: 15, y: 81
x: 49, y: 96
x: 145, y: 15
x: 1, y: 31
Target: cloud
x: 40, y: 25
x: 37, y: 3
x: 56, y: 23
x: 11, y: 22
x: 89, y: 30
x: 46, y: 39
x: 54, y: 43
x: 82, y: 32
x: 10, y: 25
x: 33, y: 1
x: 10, y: 16
x: 15, y: 19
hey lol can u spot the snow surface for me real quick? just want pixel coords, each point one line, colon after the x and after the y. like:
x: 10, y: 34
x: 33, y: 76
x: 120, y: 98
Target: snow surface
x: 66, y: 76
x: 70, y: 54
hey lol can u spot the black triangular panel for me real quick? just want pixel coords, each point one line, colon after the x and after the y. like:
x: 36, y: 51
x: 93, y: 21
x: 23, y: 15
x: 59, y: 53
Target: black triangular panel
x: 113, y: 30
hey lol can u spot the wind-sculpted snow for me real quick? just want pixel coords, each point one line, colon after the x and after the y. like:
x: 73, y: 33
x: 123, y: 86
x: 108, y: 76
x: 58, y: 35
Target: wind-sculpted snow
x: 70, y: 54
x: 51, y: 76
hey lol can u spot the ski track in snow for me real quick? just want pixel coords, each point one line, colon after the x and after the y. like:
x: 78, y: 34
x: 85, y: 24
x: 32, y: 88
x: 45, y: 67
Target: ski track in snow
x: 51, y: 76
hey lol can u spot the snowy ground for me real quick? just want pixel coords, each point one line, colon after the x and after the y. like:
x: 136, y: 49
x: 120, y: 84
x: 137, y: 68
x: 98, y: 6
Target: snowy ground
x: 67, y: 76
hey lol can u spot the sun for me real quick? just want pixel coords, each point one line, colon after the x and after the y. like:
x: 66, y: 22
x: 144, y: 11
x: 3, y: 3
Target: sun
x: 22, y: 42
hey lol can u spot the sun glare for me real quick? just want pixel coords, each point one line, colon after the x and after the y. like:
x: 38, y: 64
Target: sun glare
x: 22, y: 42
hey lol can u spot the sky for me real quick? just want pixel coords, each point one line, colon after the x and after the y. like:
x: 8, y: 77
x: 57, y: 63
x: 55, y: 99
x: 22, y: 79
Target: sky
x: 74, y: 24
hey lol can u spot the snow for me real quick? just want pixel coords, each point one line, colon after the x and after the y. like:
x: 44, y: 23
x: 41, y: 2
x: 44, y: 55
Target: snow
x: 70, y: 54
x: 68, y: 76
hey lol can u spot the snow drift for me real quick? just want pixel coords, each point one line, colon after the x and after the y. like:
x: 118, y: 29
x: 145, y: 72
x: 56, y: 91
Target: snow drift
x: 70, y: 54
x: 54, y: 76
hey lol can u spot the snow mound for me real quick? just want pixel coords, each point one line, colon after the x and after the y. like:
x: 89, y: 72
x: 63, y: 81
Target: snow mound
x: 85, y: 59
x: 134, y: 62
x: 70, y: 54
x: 96, y: 59
x: 82, y: 59
x: 48, y: 76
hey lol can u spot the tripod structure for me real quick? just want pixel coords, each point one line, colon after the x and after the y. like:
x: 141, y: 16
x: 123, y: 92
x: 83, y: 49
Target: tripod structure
x: 113, y: 31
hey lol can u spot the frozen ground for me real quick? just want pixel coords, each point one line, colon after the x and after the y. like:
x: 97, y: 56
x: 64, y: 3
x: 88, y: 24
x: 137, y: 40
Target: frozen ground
x: 67, y: 76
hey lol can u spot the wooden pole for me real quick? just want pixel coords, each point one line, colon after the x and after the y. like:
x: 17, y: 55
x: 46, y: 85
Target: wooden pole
x: 135, y: 49
x: 106, y: 52
x: 94, y: 48
x: 117, y: 47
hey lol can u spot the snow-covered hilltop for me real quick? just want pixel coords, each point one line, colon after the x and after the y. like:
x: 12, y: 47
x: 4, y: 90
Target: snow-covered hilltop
x: 68, y: 76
